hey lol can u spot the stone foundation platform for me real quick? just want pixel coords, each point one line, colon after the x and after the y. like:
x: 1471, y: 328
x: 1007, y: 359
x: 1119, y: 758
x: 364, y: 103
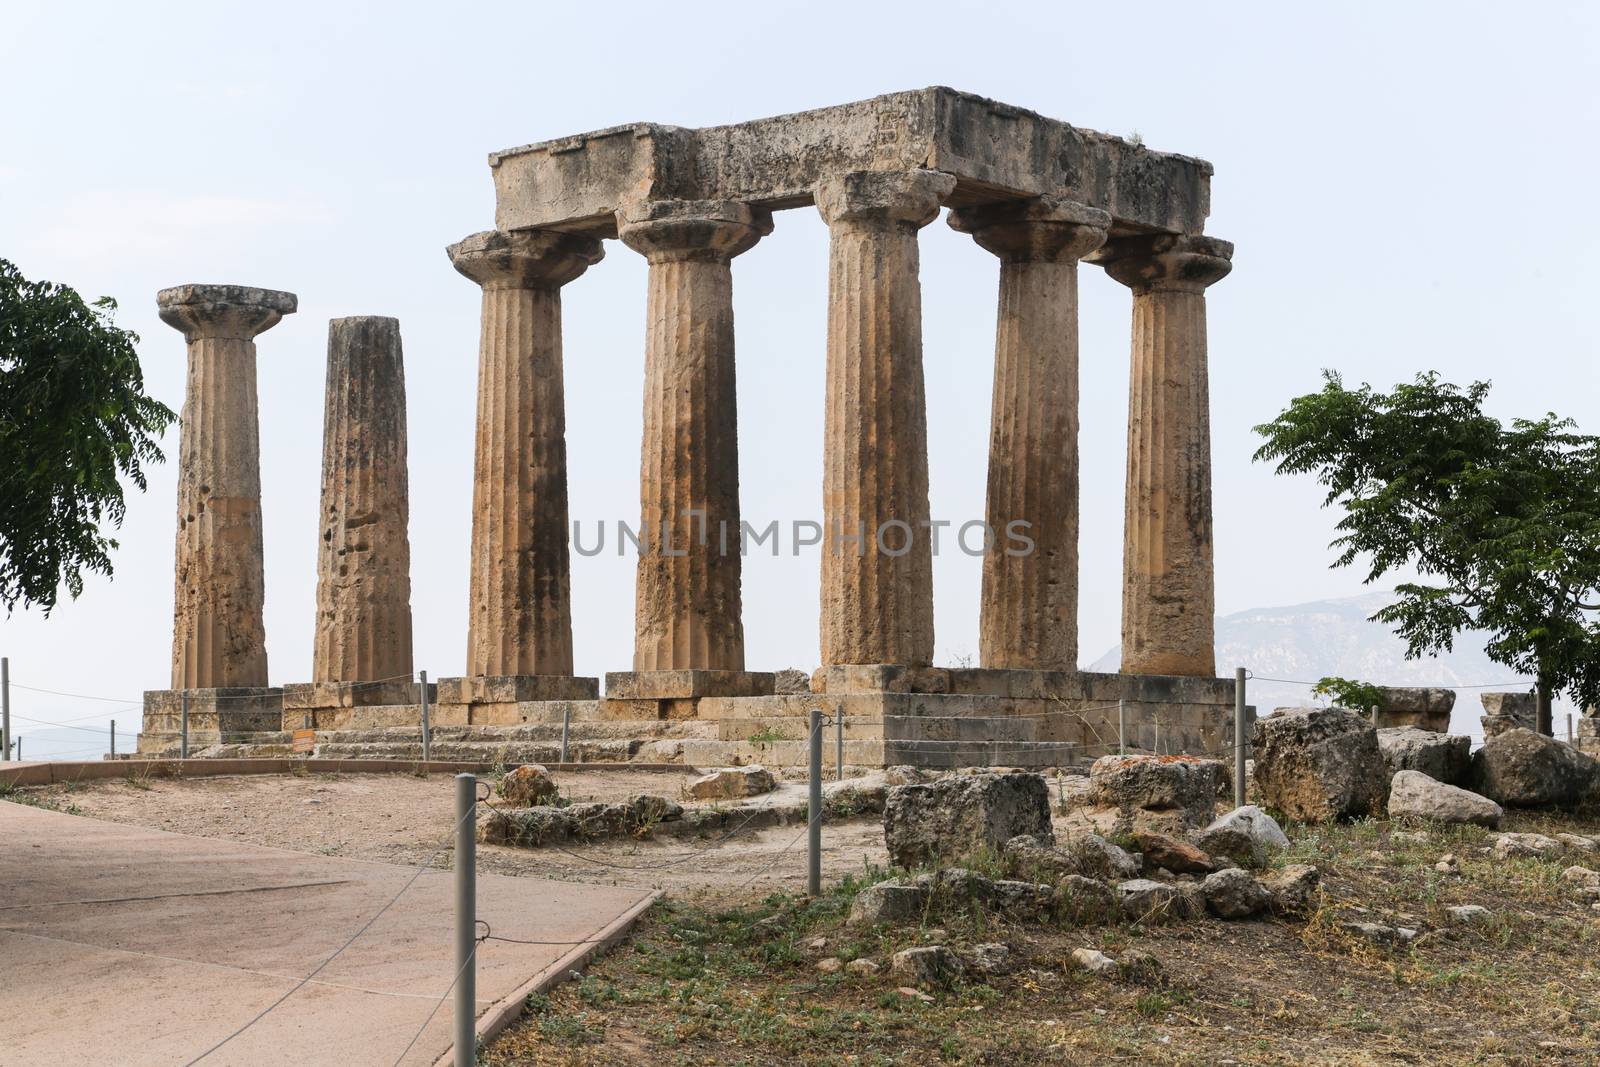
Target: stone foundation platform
x: 214, y: 715
x: 931, y: 717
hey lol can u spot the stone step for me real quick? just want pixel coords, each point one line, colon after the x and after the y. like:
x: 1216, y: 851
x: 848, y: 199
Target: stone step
x: 1032, y: 754
x: 615, y: 730
x: 512, y: 752
x: 859, y: 753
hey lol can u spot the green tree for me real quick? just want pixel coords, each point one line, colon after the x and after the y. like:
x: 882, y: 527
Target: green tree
x: 1500, y: 522
x: 73, y: 418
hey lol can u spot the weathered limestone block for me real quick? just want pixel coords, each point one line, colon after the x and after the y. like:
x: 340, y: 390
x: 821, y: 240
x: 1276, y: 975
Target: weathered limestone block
x: 1424, y: 707
x: 887, y: 902
x: 1319, y: 764
x: 1523, y: 769
x: 877, y: 567
x: 1029, y: 613
x: 1246, y: 835
x: 1412, y: 794
x: 218, y: 636
x: 520, y: 612
x: 528, y: 785
x: 1440, y: 756
x: 957, y: 817
x: 1169, y: 586
x: 995, y: 150
x: 689, y: 612
x: 1163, y: 792
x: 1508, y: 711
x: 729, y: 783
x: 363, y: 630
x: 1235, y: 894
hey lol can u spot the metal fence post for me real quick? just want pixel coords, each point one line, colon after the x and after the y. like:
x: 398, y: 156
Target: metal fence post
x: 183, y: 736
x: 1238, y: 737
x: 1569, y: 727
x: 814, y: 810
x: 1374, y: 716
x: 466, y: 861
x: 5, y: 704
x: 113, y: 738
x: 427, y: 728
x: 838, y: 738
x: 1122, y: 727
x: 566, y: 731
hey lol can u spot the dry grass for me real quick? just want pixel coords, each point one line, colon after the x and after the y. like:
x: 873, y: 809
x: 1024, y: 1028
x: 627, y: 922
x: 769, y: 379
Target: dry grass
x: 737, y: 983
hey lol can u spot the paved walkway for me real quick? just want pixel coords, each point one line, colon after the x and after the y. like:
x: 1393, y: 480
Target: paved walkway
x: 124, y: 945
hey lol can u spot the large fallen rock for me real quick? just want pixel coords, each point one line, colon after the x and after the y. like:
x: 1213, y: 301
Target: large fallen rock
x: 1148, y: 901
x: 1096, y: 857
x: 528, y: 785
x: 964, y: 815
x: 1164, y: 793
x: 1440, y: 756
x: 1523, y: 769
x: 1179, y: 857
x: 1414, y: 795
x: 1246, y: 835
x: 731, y: 783
x: 1318, y: 764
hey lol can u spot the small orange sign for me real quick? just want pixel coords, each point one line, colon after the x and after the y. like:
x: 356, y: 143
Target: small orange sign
x: 304, y: 741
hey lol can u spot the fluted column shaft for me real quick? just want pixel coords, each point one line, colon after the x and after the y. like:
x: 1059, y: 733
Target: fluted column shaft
x: 1169, y: 586
x: 688, y: 612
x: 877, y: 564
x: 363, y: 630
x: 520, y: 612
x: 218, y: 634
x: 1029, y: 612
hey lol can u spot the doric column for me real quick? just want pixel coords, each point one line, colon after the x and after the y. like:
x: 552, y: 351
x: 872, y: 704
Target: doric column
x: 1168, y: 587
x: 520, y: 621
x: 363, y: 630
x: 877, y: 567
x: 1029, y: 615
x: 218, y: 637
x: 688, y: 613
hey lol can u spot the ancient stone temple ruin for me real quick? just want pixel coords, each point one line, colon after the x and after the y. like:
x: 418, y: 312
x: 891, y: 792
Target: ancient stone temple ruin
x: 1037, y: 194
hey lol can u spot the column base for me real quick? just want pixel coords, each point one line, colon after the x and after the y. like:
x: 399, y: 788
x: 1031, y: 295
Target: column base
x: 687, y: 684
x: 515, y: 688
x: 317, y: 696
x: 213, y: 713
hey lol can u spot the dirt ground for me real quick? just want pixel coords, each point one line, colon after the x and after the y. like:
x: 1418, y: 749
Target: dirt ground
x: 725, y: 971
x: 404, y: 819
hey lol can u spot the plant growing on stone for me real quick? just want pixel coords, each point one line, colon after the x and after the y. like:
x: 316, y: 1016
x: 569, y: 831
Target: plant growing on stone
x: 74, y: 419
x: 1500, y: 522
x: 1349, y: 693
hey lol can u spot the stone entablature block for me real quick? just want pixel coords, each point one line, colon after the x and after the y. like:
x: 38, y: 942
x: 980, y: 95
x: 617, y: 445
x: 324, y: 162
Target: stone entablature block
x: 994, y: 150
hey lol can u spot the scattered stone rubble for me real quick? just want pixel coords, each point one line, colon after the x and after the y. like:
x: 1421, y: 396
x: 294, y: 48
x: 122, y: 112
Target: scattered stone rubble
x: 731, y: 783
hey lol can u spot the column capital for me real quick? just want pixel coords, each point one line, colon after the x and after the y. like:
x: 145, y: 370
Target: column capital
x: 1044, y: 229
x: 1166, y: 261
x: 223, y: 311
x: 524, y: 259
x: 714, y: 230
x: 883, y: 197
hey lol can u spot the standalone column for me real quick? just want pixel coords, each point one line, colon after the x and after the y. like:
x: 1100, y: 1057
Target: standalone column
x: 877, y: 567
x: 688, y: 614
x: 1029, y: 614
x: 1168, y: 585
x: 218, y: 638
x: 520, y: 623
x: 364, y: 559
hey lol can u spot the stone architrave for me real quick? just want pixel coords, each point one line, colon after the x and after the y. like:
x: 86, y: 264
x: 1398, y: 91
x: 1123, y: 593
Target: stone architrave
x: 1029, y: 615
x: 218, y: 636
x: 520, y: 614
x: 1168, y: 588
x: 877, y: 564
x: 363, y: 630
x: 688, y: 613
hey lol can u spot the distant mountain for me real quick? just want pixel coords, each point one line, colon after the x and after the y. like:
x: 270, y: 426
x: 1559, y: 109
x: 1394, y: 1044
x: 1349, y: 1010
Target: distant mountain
x: 1305, y: 642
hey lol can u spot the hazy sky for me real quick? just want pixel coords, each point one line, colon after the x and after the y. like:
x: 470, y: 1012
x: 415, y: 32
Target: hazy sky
x: 1407, y: 187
